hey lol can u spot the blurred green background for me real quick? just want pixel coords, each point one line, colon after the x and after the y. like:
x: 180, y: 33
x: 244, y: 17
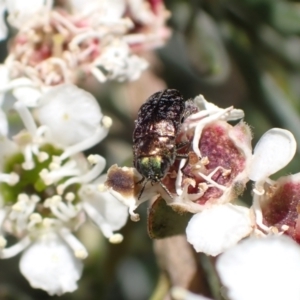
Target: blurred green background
x: 244, y: 53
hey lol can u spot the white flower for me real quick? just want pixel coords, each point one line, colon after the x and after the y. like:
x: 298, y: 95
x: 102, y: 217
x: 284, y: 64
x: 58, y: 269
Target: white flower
x: 118, y: 63
x: 274, y: 151
x: 49, y: 242
x: 48, y: 187
x: 260, y: 269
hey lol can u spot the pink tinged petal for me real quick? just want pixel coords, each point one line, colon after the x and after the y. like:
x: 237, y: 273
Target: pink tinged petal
x: 59, y: 111
x: 228, y: 151
x: 125, y: 185
x: 218, y: 228
x: 49, y: 264
x: 273, y: 151
x: 260, y: 269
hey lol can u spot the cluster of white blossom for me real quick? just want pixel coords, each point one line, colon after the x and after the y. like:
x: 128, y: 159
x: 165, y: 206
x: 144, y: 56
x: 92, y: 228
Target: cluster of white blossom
x: 68, y: 41
x: 49, y: 188
x: 209, y: 183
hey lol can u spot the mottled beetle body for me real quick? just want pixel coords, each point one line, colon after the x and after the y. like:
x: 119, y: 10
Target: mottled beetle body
x: 156, y: 129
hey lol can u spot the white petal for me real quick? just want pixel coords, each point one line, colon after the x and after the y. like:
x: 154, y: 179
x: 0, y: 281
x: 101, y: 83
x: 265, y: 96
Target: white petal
x: 20, y: 6
x: 119, y: 63
x: 79, y: 5
x: 110, y: 211
x: 49, y: 264
x: 72, y: 114
x: 21, y: 11
x: 110, y: 10
x: 218, y: 228
x: 3, y: 124
x: 273, y: 151
x: 113, y: 211
x: 27, y: 94
x: 260, y: 269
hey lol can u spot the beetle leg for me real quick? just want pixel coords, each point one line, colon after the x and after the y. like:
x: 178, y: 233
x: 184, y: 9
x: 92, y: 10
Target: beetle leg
x: 165, y: 189
x: 143, y: 188
x: 140, y: 181
x: 182, y: 144
x: 181, y: 156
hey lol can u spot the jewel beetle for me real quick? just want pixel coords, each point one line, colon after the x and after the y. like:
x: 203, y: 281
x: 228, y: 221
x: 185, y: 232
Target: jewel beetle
x: 154, y: 136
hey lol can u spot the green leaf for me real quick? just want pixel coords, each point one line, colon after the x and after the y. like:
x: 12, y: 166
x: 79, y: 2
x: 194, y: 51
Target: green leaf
x: 163, y: 221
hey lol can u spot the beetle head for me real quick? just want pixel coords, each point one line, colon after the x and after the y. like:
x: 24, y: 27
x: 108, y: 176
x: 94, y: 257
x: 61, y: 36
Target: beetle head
x: 153, y: 168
